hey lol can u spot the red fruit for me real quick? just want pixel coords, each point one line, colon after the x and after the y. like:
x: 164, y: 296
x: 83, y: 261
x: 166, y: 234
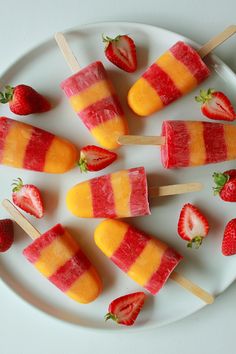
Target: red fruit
x: 216, y: 105
x: 6, y: 234
x: 125, y: 309
x: 24, y: 100
x: 193, y: 225
x: 121, y: 51
x: 225, y: 185
x: 229, y: 240
x: 28, y: 198
x: 94, y: 158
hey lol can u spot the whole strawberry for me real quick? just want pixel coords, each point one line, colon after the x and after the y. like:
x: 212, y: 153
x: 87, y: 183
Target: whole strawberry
x: 225, y: 185
x: 28, y: 198
x: 229, y: 240
x: 121, y: 51
x: 216, y: 105
x: 24, y: 100
x: 6, y: 234
x: 192, y: 225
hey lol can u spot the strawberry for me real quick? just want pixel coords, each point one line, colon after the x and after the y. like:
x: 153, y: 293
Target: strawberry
x: 216, y: 105
x: 193, y: 225
x: 225, y: 185
x: 121, y: 51
x: 6, y: 234
x: 94, y: 158
x: 229, y: 240
x: 24, y: 100
x: 125, y: 309
x: 28, y: 198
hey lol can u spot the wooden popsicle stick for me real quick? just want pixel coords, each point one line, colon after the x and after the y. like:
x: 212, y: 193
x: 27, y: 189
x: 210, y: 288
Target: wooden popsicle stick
x: 67, y: 52
x: 216, y: 41
x: 141, y: 140
x: 174, y: 189
x: 193, y: 288
x: 20, y: 219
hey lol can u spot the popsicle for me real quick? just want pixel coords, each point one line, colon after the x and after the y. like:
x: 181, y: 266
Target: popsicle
x: 57, y: 256
x: 119, y: 194
x: 144, y: 258
x: 93, y: 98
x: 175, y: 73
x: 190, y: 143
x: 25, y: 146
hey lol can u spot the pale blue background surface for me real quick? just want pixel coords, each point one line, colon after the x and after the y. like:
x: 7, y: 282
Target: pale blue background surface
x: 23, y: 330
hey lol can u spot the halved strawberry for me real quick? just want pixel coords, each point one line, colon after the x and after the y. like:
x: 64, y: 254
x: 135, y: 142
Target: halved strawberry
x: 216, y: 105
x: 193, y: 225
x: 125, y: 309
x: 121, y: 51
x: 229, y: 240
x: 6, y: 234
x: 94, y: 158
x: 225, y: 185
x: 28, y: 198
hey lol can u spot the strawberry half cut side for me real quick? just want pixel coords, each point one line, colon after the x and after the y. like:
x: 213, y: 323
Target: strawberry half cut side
x: 192, y: 225
x: 125, y: 309
x: 94, y: 158
x: 28, y: 198
x: 121, y: 51
x: 216, y: 105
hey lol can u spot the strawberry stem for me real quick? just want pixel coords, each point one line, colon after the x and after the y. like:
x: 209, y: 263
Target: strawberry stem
x: 83, y: 165
x: 205, y: 95
x: 111, y: 316
x: 107, y: 39
x: 220, y: 179
x: 18, y: 184
x: 196, y: 242
x: 7, y: 95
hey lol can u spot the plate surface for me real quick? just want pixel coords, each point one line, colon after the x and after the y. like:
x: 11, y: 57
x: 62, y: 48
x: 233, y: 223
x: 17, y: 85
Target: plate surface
x: 44, y: 69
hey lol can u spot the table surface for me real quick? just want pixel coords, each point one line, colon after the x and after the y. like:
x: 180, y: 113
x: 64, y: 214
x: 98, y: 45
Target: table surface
x: 25, y: 330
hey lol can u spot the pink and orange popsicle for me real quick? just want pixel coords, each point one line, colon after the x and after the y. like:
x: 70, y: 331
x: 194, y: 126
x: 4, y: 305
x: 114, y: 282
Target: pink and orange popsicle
x: 25, y: 146
x: 178, y: 71
x: 93, y: 98
x: 119, y: 194
x: 145, y: 259
x: 192, y: 143
x: 57, y: 256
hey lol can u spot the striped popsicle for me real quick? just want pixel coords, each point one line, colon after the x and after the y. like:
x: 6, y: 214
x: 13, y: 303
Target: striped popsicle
x: 25, y: 146
x: 57, y: 256
x: 92, y: 96
x: 145, y: 259
x: 119, y: 194
x: 178, y: 71
x: 192, y: 143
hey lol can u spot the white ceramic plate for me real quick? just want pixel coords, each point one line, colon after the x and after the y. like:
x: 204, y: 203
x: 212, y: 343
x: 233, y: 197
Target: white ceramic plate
x: 44, y: 69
